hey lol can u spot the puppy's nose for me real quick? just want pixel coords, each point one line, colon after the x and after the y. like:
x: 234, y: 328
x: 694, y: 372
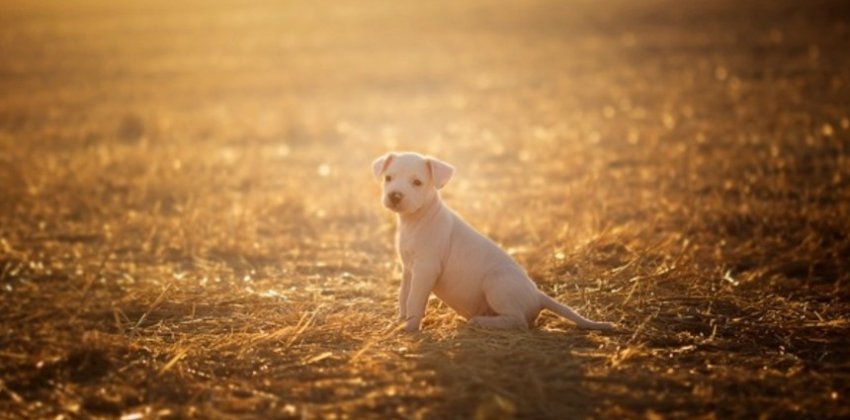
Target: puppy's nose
x: 395, y: 197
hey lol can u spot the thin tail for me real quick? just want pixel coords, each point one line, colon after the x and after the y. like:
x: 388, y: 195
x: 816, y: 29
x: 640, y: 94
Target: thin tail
x: 565, y: 311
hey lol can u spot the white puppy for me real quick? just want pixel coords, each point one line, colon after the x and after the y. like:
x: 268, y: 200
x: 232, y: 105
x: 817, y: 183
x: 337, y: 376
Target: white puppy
x: 440, y: 252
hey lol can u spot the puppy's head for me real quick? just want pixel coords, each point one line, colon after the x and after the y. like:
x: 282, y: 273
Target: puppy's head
x: 410, y: 180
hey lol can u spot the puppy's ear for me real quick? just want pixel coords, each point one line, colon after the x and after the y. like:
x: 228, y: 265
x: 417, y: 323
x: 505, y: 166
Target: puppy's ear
x: 380, y: 164
x: 441, y: 172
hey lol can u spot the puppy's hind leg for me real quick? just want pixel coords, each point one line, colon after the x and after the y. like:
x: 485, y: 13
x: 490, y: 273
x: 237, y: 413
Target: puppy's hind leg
x: 506, y: 322
x: 514, y: 303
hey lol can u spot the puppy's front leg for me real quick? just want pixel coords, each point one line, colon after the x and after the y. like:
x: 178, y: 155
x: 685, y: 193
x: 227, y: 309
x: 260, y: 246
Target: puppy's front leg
x: 422, y: 282
x: 404, y: 291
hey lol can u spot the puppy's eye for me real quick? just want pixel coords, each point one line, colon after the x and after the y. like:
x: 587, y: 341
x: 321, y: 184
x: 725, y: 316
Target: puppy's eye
x: 388, y: 178
x: 417, y: 182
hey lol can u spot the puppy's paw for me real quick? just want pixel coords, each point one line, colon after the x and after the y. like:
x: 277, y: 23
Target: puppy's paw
x: 412, y: 325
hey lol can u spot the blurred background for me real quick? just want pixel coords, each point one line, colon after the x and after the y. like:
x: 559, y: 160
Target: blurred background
x: 299, y: 97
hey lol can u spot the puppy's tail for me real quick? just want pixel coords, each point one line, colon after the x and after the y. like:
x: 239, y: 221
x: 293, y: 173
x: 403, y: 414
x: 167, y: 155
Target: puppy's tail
x: 565, y: 311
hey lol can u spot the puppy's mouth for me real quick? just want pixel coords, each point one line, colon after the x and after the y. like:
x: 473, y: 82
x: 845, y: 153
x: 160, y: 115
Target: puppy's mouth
x: 394, y: 207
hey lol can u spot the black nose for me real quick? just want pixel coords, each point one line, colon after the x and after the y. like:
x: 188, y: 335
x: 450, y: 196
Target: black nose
x: 395, y: 197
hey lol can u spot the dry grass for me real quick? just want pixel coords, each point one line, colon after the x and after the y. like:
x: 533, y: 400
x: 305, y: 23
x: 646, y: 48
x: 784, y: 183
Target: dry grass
x: 188, y: 227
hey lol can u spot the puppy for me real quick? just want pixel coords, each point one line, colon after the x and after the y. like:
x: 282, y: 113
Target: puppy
x: 441, y: 253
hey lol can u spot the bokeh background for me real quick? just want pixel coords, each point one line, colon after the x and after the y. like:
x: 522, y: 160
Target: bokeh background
x: 188, y: 224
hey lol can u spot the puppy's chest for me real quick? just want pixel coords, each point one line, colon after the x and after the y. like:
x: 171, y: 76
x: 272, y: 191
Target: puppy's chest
x: 406, y: 249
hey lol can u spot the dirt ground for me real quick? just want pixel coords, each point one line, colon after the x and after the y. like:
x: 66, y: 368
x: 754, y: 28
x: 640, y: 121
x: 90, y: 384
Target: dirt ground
x: 189, y: 228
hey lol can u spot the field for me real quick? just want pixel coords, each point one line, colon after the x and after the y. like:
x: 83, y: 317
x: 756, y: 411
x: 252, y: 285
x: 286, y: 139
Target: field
x: 189, y: 226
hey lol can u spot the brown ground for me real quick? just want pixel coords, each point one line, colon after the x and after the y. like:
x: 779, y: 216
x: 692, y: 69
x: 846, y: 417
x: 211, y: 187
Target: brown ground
x: 188, y: 226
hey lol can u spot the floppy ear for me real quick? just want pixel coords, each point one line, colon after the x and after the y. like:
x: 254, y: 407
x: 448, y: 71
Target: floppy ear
x: 380, y: 164
x: 441, y: 172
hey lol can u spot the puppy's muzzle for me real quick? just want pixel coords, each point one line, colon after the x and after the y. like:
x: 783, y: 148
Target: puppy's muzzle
x: 395, y: 197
